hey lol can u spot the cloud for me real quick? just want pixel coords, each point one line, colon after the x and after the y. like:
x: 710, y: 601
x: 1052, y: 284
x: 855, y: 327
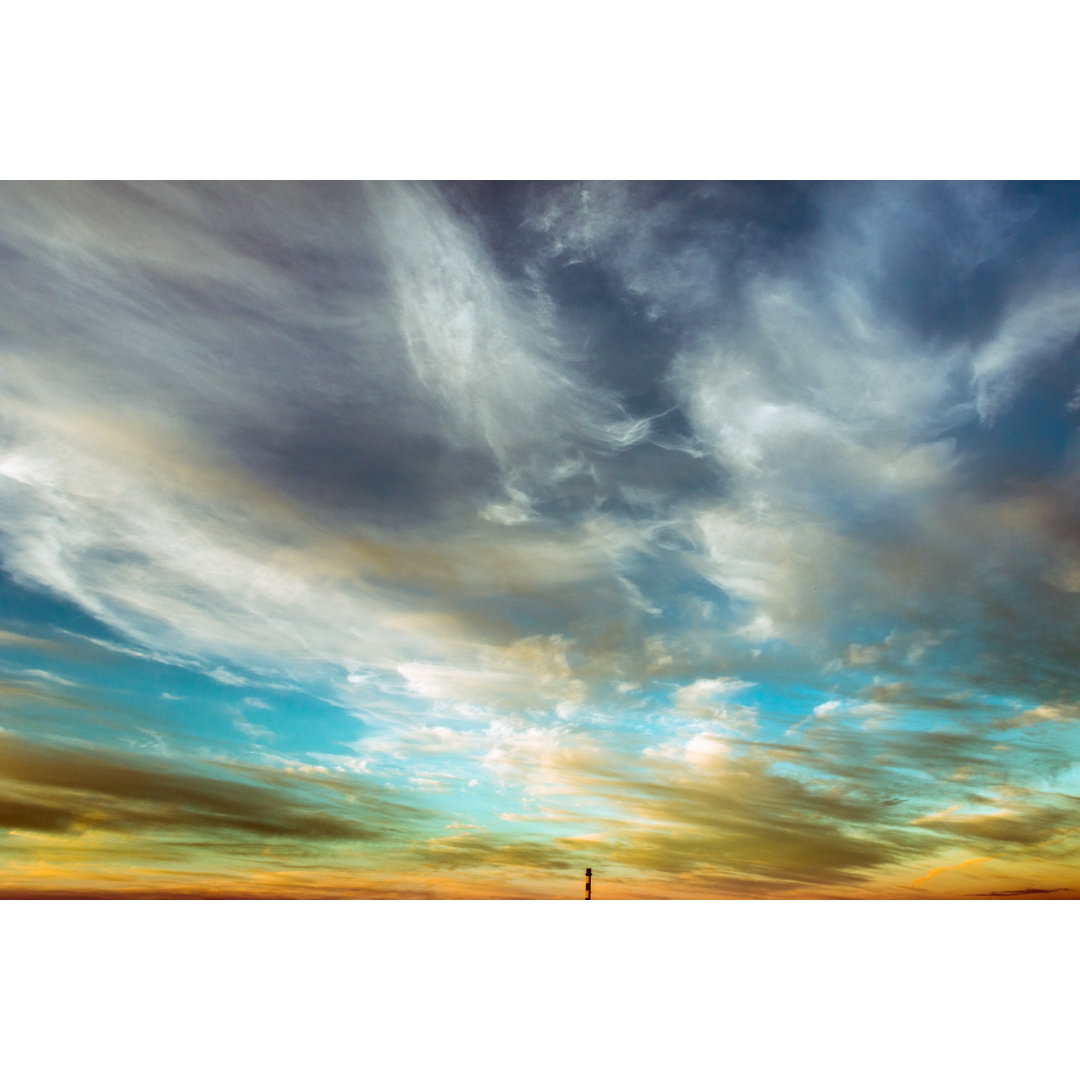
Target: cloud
x: 1047, y: 713
x: 52, y: 788
x: 1004, y: 824
x: 531, y: 674
x: 706, y: 699
x: 805, y: 462
x: 512, y: 477
x: 48, y: 676
x: 469, y: 851
x: 485, y: 350
x: 1036, y: 327
x: 255, y: 732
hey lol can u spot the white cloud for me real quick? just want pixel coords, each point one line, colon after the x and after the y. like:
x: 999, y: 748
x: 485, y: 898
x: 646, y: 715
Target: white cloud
x: 706, y: 699
x: 48, y: 676
x: 1034, y: 328
x: 485, y: 350
x: 255, y: 732
x: 705, y: 748
x: 227, y: 678
x: 531, y: 674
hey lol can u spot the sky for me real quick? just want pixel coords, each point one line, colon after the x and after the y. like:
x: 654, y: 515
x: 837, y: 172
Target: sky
x: 443, y: 540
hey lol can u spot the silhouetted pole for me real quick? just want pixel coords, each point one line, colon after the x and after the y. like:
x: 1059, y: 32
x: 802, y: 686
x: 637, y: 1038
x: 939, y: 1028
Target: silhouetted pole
x: 588, y: 884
